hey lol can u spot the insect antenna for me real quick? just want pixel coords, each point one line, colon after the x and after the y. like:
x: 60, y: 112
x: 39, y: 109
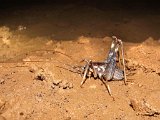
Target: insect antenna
x: 74, y: 69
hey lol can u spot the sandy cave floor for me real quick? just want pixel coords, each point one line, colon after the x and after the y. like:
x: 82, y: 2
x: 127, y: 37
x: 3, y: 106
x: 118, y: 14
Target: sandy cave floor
x: 33, y: 87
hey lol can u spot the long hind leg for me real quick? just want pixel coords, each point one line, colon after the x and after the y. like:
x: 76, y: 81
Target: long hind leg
x: 122, y: 52
x: 105, y: 82
x: 107, y: 87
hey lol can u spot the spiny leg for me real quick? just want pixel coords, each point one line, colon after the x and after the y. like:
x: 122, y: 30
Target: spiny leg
x: 122, y: 53
x: 86, y: 70
x: 84, y: 67
x: 106, y: 86
x: 125, y: 78
x: 84, y: 76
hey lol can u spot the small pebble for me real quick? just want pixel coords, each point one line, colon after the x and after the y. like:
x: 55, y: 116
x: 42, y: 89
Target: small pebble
x: 2, y: 81
x: 139, y: 85
x: 70, y: 85
x: 40, y: 77
x: 33, y: 68
x: 61, y: 84
x: 56, y: 82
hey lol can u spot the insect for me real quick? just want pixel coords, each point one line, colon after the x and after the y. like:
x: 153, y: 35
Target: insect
x: 108, y: 69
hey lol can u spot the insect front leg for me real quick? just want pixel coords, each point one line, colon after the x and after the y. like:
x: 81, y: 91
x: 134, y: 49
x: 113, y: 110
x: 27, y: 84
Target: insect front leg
x: 86, y: 72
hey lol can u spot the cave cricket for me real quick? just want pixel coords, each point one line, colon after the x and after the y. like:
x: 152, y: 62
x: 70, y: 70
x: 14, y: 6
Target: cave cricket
x: 112, y: 68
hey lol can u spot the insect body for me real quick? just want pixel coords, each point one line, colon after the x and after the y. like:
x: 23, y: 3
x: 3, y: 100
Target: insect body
x: 108, y: 69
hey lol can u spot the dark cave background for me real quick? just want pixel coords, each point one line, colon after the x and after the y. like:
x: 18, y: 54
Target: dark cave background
x: 126, y: 4
x: 118, y: 9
